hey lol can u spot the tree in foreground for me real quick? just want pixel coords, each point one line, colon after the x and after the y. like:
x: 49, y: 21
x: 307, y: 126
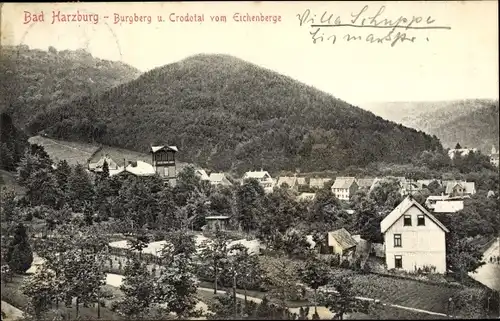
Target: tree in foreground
x: 177, y: 285
x: 343, y: 300
x: 40, y: 290
x: 281, y: 279
x: 462, y: 256
x: 138, y: 290
x: 247, y: 267
x: 223, y: 308
x: 214, y: 252
x: 315, y: 274
x: 19, y: 255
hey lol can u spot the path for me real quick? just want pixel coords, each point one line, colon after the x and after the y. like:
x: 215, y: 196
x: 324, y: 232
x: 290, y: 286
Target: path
x: 12, y: 312
x: 489, y: 273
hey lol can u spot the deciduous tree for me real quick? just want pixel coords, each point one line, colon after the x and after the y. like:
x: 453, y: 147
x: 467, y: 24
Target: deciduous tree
x: 315, y: 274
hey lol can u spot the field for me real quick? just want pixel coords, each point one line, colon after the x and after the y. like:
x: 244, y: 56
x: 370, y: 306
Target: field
x: 72, y: 152
x: 408, y: 293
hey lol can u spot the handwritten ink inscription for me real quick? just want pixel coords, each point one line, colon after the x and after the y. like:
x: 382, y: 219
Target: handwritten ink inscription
x: 381, y: 28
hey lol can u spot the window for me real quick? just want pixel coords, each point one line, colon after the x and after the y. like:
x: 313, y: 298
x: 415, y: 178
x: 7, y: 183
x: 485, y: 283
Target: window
x: 421, y: 220
x: 397, y: 240
x: 398, y: 262
x: 407, y: 220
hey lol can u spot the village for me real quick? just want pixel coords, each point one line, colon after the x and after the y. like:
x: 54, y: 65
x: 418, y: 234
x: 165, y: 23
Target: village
x: 392, y: 227
x: 409, y: 221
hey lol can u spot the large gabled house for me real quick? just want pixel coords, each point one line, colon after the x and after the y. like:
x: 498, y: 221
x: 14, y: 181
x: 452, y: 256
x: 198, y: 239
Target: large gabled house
x: 265, y: 180
x: 344, y: 188
x: 413, y: 238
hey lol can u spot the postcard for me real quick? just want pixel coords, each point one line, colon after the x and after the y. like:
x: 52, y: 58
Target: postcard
x: 250, y: 160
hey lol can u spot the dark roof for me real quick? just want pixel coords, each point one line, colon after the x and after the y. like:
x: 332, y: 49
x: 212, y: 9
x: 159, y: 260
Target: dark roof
x: 343, y: 238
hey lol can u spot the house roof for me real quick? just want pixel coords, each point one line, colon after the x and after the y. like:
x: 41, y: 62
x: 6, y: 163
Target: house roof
x: 202, y: 174
x: 289, y: 180
x: 257, y: 174
x: 448, y: 206
x: 216, y: 177
x: 343, y: 238
x: 438, y: 197
x: 138, y: 168
x: 365, y: 182
x: 217, y: 217
x: 426, y: 182
x: 306, y: 196
x: 401, y: 209
x: 318, y: 182
x: 219, y: 178
x: 344, y: 182
x: 469, y: 187
x: 462, y: 152
x: 154, y: 149
x: 100, y: 163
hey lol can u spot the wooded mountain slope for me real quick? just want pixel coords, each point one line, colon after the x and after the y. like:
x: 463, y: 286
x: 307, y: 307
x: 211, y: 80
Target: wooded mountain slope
x: 471, y: 122
x: 225, y: 113
x: 33, y: 80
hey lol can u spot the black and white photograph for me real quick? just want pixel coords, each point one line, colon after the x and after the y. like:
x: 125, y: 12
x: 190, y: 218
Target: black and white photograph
x: 266, y: 160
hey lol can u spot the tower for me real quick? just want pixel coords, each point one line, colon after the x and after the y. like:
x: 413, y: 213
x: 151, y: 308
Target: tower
x: 163, y: 161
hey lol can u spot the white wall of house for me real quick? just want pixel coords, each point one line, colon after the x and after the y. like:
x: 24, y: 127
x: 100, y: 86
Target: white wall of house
x: 341, y: 193
x: 420, y: 245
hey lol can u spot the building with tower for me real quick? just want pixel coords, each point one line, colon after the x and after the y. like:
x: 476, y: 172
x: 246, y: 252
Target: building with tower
x: 163, y: 161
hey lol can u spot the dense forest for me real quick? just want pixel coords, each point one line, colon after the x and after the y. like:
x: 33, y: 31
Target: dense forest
x: 13, y: 142
x: 34, y: 80
x: 472, y: 122
x: 228, y: 114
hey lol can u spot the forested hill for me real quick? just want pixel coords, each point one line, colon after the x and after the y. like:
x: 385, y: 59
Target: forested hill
x: 471, y: 122
x: 225, y: 113
x: 34, y: 80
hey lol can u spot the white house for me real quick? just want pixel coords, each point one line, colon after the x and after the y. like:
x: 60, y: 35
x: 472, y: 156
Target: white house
x: 431, y: 201
x: 219, y: 179
x: 344, y: 188
x: 451, y: 206
x: 462, y: 152
x: 265, y: 180
x: 414, y: 238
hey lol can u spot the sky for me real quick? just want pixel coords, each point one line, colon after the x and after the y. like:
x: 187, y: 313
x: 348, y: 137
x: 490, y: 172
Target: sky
x: 439, y: 64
